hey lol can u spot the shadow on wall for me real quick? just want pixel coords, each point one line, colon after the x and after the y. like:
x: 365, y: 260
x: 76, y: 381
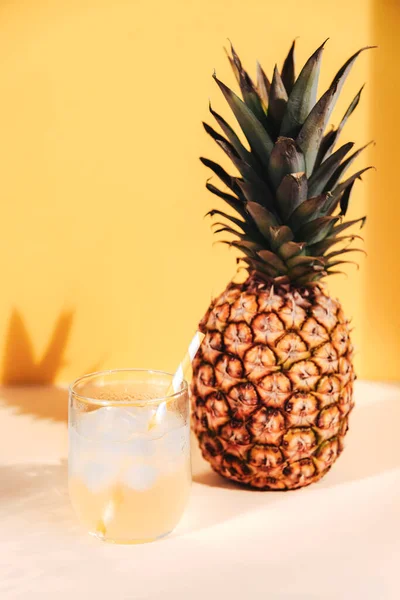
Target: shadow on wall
x: 19, y: 365
x: 45, y: 401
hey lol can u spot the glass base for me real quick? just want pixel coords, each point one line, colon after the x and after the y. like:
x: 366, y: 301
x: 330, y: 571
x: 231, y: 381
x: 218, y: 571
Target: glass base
x: 127, y: 542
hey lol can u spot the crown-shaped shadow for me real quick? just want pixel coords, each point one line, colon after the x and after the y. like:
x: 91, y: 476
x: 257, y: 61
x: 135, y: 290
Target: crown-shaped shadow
x: 20, y: 369
x: 43, y: 399
x: 19, y: 364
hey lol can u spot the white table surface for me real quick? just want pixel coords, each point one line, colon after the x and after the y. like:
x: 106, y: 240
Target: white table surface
x: 338, y: 539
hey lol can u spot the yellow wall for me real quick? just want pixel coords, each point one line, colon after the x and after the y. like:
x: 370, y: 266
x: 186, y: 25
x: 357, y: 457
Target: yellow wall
x: 106, y: 259
x: 381, y: 329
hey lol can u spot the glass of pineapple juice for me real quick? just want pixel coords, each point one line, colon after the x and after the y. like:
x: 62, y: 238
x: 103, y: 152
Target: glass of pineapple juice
x: 129, y: 454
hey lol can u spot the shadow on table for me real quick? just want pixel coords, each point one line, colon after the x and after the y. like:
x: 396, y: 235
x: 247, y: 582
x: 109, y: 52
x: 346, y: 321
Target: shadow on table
x: 39, y: 492
x: 372, y: 448
x: 42, y: 402
x: 372, y: 443
x: 202, y: 472
x: 37, y: 496
x: 212, y: 502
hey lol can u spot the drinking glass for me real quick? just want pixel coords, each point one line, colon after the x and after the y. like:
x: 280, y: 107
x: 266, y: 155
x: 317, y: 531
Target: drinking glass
x: 129, y: 454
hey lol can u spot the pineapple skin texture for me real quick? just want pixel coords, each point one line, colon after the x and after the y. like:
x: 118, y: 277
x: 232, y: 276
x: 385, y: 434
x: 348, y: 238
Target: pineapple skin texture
x: 272, y: 384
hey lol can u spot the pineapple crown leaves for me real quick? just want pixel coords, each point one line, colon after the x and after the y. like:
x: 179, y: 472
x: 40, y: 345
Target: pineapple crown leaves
x: 289, y: 195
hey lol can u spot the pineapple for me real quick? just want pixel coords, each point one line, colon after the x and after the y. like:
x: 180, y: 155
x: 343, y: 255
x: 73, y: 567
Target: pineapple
x: 273, y: 379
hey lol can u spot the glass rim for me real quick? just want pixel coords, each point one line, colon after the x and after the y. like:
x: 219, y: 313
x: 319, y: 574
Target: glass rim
x: 100, y: 402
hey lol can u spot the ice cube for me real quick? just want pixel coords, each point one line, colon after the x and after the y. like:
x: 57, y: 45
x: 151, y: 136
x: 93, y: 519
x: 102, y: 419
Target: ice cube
x: 140, y: 477
x: 140, y: 447
x: 99, y: 475
x: 109, y: 423
x: 143, y: 415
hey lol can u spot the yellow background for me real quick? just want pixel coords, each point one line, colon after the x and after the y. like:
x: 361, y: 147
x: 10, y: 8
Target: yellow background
x: 106, y: 259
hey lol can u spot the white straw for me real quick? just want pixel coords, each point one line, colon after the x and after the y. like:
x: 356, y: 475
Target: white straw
x: 179, y: 377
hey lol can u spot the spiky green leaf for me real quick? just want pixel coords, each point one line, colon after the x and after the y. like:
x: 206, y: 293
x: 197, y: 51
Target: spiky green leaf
x: 244, y: 225
x: 334, y: 263
x: 236, y: 60
x: 242, y: 166
x: 303, y: 96
x: 339, y: 189
x: 226, y: 229
x: 343, y: 251
x: 310, y: 279
x: 263, y: 218
x: 311, y: 133
x: 277, y: 100
x: 289, y: 249
x: 342, y: 168
x: 273, y: 260
x: 322, y: 175
x: 247, y: 231
x: 307, y: 211
x: 256, y: 135
x: 217, y: 137
x: 341, y: 75
x: 261, y: 266
x: 329, y: 140
x: 322, y: 247
x: 227, y: 179
x: 296, y: 261
x: 286, y: 157
x: 291, y: 193
x: 233, y: 201
x: 257, y: 192
x: 344, y: 200
x: 316, y: 230
x: 307, y: 269
x: 339, y: 228
x: 250, y: 246
x: 263, y: 85
x: 288, y: 75
x: 280, y: 235
x: 248, y: 89
x: 234, y: 66
x: 234, y: 140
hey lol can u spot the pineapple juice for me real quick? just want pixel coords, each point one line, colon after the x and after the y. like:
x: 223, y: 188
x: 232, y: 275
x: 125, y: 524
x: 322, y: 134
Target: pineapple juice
x: 129, y: 481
